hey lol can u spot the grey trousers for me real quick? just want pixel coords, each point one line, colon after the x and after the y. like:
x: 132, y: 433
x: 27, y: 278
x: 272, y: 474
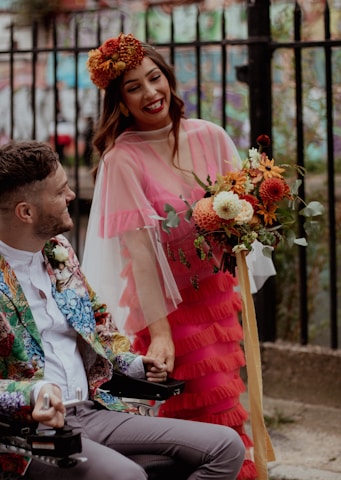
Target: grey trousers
x: 108, y: 438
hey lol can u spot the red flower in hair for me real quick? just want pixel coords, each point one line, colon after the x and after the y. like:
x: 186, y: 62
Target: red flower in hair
x: 114, y: 57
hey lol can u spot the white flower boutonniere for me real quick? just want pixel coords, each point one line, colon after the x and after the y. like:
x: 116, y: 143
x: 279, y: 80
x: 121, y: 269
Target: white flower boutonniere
x: 60, y: 253
x: 58, y: 256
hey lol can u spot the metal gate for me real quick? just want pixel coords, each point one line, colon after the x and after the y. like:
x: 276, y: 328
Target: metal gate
x: 228, y: 73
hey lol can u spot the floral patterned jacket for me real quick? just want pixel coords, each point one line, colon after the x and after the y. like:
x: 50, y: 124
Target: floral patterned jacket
x: 102, y: 347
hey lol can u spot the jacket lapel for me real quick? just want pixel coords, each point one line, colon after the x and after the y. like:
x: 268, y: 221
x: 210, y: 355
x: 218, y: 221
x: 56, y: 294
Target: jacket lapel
x: 16, y: 301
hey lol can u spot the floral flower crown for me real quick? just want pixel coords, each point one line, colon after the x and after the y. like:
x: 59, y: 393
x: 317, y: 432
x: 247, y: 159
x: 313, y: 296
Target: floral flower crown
x: 114, y: 57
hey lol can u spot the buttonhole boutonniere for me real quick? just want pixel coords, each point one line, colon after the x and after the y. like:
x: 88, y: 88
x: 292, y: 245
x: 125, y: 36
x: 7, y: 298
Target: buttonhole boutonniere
x: 58, y: 257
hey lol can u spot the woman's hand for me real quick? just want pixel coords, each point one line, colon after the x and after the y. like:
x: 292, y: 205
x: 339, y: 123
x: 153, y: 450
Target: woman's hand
x: 161, y: 346
x: 51, y: 415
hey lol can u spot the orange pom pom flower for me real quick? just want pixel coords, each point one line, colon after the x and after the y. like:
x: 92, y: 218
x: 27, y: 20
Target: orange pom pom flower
x: 204, y: 215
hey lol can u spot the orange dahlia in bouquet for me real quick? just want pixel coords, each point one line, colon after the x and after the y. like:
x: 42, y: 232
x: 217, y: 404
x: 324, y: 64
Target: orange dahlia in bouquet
x: 253, y: 203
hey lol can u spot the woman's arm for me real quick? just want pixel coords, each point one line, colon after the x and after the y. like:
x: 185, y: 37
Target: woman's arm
x: 151, y: 296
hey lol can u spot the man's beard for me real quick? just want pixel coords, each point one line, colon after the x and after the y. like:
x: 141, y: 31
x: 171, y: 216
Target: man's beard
x: 49, y: 225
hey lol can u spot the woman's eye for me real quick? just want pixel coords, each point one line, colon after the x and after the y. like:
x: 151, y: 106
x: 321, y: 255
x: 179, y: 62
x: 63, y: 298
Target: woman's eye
x: 132, y: 89
x: 155, y: 77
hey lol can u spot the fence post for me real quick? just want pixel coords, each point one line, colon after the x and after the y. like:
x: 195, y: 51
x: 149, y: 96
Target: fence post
x: 259, y: 68
x: 260, y: 98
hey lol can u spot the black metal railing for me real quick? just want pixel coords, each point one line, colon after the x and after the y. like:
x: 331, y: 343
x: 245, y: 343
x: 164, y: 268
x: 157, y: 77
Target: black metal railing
x: 255, y: 76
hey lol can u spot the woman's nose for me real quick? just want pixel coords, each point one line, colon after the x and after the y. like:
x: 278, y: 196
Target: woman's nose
x: 149, y: 90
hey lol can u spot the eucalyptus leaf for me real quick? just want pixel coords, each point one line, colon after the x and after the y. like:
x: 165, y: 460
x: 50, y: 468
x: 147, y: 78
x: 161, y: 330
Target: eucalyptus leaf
x: 290, y: 238
x: 296, y: 186
x: 169, y: 208
x: 311, y: 227
x: 301, y: 241
x: 312, y: 209
x: 188, y: 215
x: 165, y: 227
x: 173, y: 219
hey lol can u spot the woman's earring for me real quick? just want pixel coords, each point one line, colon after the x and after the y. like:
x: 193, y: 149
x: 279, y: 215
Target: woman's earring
x: 124, y: 110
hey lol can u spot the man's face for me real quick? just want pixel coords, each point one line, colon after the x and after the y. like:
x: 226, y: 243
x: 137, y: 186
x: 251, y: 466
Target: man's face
x: 51, y: 206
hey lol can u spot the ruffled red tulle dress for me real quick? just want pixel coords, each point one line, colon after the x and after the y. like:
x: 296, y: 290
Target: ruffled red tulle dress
x: 144, y: 273
x: 207, y: 337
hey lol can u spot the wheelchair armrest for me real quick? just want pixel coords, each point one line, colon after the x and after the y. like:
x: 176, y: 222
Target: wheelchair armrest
x: 52, y: 447
x: 124, y: 386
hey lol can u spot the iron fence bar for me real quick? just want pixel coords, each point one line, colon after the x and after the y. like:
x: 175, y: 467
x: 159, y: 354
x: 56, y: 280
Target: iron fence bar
x: 271, y: 45
x: 198, y: 63
x: 301, y: 44
x: 303, y: 297
x: 99, y: 36
x: 333, y: 283
x: 223, y: 72
x: 258, y: 75
x: 11, y: 79
x: 76, y: 136
x: 122, y: 21
x: 259, y: 70
x: 146, y: 24
x: 34, y: 78
x: 55, y: 81
x: 172, y: 49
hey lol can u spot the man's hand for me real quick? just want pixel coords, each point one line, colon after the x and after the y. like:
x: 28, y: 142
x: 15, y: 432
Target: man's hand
x: 155, y: 370
x: 53, y: 415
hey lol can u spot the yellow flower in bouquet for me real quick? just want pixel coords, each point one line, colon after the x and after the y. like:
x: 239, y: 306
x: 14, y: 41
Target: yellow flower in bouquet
x: 253, y: 203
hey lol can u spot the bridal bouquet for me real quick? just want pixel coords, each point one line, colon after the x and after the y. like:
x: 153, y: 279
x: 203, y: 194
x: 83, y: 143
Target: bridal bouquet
x: 253, y: 203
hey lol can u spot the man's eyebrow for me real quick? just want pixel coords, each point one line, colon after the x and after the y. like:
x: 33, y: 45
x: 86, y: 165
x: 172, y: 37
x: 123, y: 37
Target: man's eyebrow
x: 63, y: 184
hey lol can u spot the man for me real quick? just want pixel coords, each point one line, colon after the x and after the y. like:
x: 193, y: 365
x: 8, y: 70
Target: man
x: 56, y: 337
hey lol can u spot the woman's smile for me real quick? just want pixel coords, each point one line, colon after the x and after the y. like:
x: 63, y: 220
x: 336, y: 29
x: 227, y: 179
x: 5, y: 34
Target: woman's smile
x: 154, y: 107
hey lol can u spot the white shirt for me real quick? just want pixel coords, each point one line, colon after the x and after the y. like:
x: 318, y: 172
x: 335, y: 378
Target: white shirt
x: 63, y: 362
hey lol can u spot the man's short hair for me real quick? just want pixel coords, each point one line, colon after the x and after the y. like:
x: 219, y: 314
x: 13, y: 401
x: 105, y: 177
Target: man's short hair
x: 23, y: 164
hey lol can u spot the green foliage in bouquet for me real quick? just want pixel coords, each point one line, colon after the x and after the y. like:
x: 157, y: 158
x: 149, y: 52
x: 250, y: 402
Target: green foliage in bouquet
x: 241, y: 206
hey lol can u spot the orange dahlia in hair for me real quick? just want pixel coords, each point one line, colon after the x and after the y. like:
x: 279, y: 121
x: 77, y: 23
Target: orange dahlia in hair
x: 204, y: 216
x: 114, y: 57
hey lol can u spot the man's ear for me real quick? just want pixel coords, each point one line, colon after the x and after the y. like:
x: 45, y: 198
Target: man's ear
x: 23, y: 211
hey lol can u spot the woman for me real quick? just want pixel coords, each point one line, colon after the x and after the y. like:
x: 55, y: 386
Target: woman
x: 170, y: 301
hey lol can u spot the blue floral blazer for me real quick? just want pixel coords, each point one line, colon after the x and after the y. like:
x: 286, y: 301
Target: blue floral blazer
x: 22, y: 361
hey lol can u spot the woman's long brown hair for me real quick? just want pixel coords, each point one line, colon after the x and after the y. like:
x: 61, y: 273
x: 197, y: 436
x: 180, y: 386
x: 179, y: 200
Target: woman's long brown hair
x: 112, y: 122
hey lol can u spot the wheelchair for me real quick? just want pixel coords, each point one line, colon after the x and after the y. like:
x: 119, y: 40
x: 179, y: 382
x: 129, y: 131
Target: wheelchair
x: 61, y: 448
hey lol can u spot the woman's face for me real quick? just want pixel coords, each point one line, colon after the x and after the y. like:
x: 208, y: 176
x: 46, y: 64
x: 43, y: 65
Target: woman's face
x: 146, y: 93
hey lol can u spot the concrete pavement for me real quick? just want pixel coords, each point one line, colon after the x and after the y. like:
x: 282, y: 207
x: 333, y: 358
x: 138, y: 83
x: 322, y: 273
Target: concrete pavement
x: 306, y: 439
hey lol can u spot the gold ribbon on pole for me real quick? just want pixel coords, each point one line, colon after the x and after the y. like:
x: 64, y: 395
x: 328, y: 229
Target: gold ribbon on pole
x: 263, y: 450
